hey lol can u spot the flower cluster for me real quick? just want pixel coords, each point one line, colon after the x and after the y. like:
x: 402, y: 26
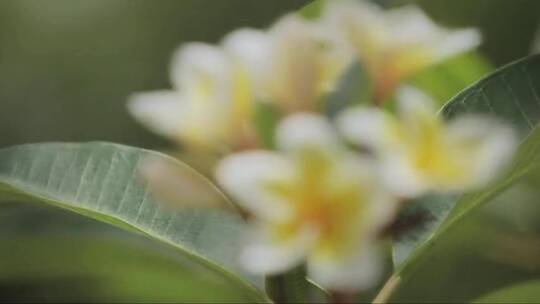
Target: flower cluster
x: 329, y: 188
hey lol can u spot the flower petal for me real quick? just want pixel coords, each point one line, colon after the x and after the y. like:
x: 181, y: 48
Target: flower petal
x: 409, y: 25
x: 353, y: 16
x: 413, y: 103
x: 381, y: 204
x: 457, y: 42
x: 358, y: 271
x: 487, y: 146
x: 359, y: 24
x: 245, y: 175
x: 366, y: 126
x: 400, y: 177
x: 295, y: 63
x: 263, y: 255
x: 160, y: 111
x: 305, y: 131
x: 199, y: 66
x: 250, y: 48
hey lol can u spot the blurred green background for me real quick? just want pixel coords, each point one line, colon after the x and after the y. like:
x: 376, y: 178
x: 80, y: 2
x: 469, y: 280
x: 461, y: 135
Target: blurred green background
x: 66, y: 70
x: 67, y: 67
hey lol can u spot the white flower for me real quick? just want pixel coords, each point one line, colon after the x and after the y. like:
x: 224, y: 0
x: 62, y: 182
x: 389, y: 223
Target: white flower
x: 420, y: 152
x: 396, y: 43
x: 306, y: 61
x: 313, y: 200
x: 213, y: 92
x: 293, y: 65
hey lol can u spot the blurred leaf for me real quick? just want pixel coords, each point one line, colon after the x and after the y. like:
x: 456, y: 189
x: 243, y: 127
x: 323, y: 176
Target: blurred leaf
x: 469, y: 261
x: 266, y: 119
x: 354, y: 87
x: 99, y: 180
x: 512, y: 94
x: 51, y: 255
x: 482, y: 253
x: 535, y: 47
x: 527, y: 162
x: 312, y: 10
x: 443, y: 81
x: 527, y: 292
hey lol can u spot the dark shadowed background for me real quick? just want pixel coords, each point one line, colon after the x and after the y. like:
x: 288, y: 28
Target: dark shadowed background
x: 67, y: 67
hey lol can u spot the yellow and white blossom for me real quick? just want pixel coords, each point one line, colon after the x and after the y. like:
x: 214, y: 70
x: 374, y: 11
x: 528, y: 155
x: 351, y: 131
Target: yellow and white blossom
x: 314, y: 200
x: 395, y: 43
x: 420, y: 152
x: 213, y: 93
x: 306, y: 61
x: 292, y: 64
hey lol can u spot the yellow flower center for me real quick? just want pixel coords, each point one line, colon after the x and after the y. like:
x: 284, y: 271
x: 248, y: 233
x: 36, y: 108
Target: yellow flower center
x: 214, y: 119
x: 426, y: 145
x: 323, y: 200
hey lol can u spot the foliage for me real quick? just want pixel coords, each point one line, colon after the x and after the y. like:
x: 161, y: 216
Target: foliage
x: 79, y: 221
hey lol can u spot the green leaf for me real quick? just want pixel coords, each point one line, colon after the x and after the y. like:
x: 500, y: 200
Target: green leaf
x: 509, y: 93
x: 99, y: 180
x: 418, y: 219
x: 433, y: 255
x: 266, y: 119
x: 312, y: 10
x: 512, y: 94
x: 354, y: 87
x: 477, y: 256
x: 443, y: 81
x: 526, y: 292
x: 51, y: 255
x: 295, y: 287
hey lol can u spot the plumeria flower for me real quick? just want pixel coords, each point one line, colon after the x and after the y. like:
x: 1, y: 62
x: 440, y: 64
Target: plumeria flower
x: 211, y: 102
x: 313, y: 200
x: 420, y: 152
x: 306, y: 61
x: 396, y: 43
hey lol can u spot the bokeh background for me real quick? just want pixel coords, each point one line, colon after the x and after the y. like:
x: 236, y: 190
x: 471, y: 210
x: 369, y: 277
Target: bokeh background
x: 66, y: 70
x: 67, y: 67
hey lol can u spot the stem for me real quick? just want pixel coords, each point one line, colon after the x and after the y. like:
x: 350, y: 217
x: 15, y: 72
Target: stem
x: 387, y: 290
x: 276, y: 288
x: 342, y: 298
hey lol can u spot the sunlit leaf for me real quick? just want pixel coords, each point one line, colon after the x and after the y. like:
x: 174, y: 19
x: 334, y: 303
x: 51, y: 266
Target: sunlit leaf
x: 99, y: 180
